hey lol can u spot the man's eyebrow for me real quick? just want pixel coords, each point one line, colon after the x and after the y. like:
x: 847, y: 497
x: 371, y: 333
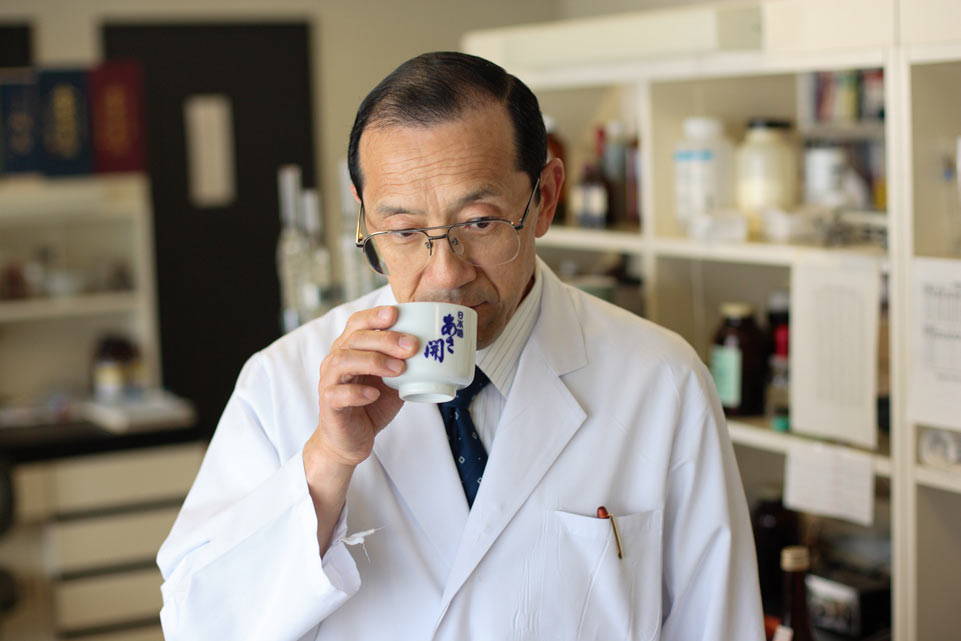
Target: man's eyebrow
x: 478, y: 194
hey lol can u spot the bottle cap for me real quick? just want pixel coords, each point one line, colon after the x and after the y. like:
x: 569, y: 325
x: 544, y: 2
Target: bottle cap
x: 795, y: 558
x: 700, y: 128
x: 736, y: 310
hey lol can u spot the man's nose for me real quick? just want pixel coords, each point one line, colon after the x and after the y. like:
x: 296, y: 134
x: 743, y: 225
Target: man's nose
x: 445, y: 269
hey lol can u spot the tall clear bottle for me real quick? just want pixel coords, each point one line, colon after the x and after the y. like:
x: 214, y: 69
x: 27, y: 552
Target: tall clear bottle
x: 317, y: 293
x: 291, y: 245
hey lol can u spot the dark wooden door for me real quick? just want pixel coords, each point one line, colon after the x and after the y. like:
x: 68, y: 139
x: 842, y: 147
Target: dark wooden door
x: 218, y: 291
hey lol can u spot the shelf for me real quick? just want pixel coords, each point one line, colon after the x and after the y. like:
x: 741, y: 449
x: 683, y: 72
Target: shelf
x: 67, y: 307
x: 32, y: 199
x: 764, y: 253
x: 593, y: 239
x: 856, y: 130
x: 937, y: 478
x: 730, y: 64
x: 754, y: 433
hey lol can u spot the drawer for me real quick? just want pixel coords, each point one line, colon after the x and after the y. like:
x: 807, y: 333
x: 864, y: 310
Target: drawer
x: 31, y: 486
x: 125, y: 478
x: 102, y: 600
x: 107, y: 541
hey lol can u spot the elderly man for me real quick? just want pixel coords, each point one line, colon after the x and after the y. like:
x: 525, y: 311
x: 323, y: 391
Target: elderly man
x: 327, y: 508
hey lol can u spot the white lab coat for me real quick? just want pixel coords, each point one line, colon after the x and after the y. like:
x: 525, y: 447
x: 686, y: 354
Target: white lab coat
x: 606, y: 409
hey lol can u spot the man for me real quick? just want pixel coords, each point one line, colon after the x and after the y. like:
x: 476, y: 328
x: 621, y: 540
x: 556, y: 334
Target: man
x: 326, y: 508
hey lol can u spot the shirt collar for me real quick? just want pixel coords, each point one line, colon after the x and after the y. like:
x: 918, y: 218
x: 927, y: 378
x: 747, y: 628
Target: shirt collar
x: 499, y: 359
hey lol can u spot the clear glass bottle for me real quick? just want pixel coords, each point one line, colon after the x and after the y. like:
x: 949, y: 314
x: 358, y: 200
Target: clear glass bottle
x: 291, y: 245
x: 316, y: 287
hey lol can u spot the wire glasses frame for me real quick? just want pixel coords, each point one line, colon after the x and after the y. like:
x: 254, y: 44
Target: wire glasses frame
x: 366, y: 241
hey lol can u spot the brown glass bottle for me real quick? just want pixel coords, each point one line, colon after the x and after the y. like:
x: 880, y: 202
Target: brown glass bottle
x: 795, y: 563
x: 738, y: 361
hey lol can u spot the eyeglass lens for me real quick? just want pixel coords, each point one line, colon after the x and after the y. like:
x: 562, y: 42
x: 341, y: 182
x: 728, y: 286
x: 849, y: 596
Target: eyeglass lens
x: 485, y: 243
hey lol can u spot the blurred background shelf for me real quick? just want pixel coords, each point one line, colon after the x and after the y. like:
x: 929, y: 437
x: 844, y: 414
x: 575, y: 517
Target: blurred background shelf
x: 763, y: 253
x: 947, y: 480
x: 68, y: 307
x: 593, y: 239
x: 36, y: 200
x: 754, y: 432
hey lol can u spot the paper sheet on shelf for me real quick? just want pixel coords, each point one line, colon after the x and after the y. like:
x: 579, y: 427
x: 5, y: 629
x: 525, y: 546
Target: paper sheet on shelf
x: 934, y: 396
x: 834, y: 350
x: 830, y: 481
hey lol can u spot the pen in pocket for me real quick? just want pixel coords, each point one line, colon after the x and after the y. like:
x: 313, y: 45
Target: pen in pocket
x: 602, y: 513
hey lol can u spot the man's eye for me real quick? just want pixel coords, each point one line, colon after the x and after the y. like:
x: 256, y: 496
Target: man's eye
x: 404, y: 236
x: 482, y: 224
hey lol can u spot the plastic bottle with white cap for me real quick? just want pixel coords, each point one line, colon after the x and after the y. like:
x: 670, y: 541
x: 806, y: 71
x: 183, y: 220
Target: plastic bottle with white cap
x: 703, y: 170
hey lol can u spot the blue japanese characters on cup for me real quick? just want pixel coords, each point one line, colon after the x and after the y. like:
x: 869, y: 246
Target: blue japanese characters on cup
x: 448, y: 348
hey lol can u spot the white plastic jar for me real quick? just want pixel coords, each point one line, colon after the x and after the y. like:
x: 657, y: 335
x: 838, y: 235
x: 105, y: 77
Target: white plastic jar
x: 767, y: 170
x: 703, y: 170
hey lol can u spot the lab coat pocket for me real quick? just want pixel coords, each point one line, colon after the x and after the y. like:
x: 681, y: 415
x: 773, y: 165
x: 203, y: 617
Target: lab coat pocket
x: 621, y: 597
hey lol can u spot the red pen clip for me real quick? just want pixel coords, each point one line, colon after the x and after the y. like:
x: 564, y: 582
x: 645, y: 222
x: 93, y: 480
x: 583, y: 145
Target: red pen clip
x: 602, y: 513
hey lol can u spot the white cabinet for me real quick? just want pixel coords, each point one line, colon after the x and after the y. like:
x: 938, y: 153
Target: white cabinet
x: 85, y: 548
x: 47, y: 344
x: 918, y: 45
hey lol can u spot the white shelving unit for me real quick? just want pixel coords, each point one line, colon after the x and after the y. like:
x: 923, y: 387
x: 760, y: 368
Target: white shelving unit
x: 917, y: 43
x: 47, y: 342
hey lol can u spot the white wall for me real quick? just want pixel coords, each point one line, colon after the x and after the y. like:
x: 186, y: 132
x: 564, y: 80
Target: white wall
x: 355, y: 42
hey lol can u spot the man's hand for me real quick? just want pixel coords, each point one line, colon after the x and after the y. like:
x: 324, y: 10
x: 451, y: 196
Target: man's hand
x: 354, y: 406
x: 354, y: 402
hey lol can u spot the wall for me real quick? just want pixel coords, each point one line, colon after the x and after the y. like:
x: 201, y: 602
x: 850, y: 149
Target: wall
x: 587, y: 8
x: 356, y: 42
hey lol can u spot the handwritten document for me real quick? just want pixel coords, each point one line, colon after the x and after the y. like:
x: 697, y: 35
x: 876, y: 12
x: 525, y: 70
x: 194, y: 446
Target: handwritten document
x: 834, y: 350
x: 831, y: 481
x: 935, y: 376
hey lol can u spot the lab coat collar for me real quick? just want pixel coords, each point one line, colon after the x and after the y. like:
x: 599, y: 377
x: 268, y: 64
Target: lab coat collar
x: 539, y: 419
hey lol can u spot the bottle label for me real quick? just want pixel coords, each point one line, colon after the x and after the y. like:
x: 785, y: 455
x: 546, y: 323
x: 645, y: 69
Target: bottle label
x: 726, y: 370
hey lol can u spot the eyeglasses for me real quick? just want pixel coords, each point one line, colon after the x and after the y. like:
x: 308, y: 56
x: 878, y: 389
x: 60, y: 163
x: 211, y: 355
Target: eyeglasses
x: 483, y: 242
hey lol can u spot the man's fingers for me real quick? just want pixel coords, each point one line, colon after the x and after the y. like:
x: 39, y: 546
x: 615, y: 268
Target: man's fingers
x: 340, y: 397
x: 344, y: 364
x: 394, y: 344
x: 374, y: 318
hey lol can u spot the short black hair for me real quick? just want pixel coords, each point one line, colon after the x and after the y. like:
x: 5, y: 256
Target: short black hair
x: 438, y: 87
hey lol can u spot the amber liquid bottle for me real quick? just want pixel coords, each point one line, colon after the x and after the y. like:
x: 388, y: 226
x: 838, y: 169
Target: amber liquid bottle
x: 795, y: 563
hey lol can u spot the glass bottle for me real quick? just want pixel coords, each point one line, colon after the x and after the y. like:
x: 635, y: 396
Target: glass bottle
x: 557, y: 149
x: 795, y: 563
x: 291, y: 245
x: 775, y: 528
x: 737, y: 361
x: 767, y: 171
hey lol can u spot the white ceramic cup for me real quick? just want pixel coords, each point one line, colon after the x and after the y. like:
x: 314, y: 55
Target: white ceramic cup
x: 448, y: 348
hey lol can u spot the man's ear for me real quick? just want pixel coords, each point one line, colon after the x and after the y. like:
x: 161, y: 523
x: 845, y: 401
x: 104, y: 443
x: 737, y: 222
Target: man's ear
x: 552, y: 182
x: 353, y: 190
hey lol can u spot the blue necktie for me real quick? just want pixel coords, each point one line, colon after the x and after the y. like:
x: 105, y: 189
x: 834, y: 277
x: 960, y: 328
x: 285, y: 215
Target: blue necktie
x: 469, y: 454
